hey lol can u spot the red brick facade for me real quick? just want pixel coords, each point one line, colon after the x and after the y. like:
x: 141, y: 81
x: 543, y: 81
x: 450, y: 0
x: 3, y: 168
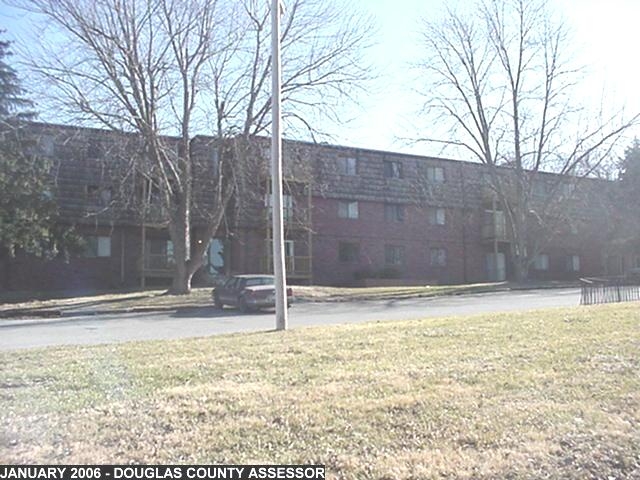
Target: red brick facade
x: 394, y: 217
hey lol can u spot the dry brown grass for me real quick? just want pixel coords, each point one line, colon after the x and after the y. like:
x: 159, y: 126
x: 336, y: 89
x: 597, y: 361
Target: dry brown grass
x: 548, y: 394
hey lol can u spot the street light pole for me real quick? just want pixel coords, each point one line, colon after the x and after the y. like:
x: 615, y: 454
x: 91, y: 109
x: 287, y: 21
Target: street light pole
x: 276, y: 172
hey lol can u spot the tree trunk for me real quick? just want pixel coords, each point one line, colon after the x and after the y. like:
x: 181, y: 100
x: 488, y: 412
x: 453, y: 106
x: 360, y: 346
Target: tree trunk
x: 180, y: 232
x: 181, y: 283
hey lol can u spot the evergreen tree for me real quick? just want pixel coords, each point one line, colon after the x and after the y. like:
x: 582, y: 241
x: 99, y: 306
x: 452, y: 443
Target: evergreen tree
x: 27, y: 210
x: 629, y: 173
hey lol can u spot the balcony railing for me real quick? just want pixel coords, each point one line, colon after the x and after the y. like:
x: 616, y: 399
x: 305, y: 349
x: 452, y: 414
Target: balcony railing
x: 296, y: 266
x: 292, y: 216
x: 495, y: 231
x: 158, y: 265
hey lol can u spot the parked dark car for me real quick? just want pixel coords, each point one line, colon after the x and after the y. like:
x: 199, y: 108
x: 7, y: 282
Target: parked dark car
x: 248, y: 292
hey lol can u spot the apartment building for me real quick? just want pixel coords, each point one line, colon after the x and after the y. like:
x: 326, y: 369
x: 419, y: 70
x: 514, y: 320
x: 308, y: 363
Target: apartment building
x: 352, y: 217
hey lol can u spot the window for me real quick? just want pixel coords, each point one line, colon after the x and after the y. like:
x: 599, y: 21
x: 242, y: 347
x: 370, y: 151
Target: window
x: 394, y: 212
x: 540, y: 189
x: 435, y: 174
x: 92, y: 192
x: 97, y: 195
x: 392, y: 169
x: 159, y: 254
x: 573, y: 263
x: 348, y: 252
x: 573, y: 227
x: 437, y: 216
x: 393, y: 255
x: 97, y: 246
x: 289, y: 248
x: 347, y: 209
x: 347, y: 166
x: 541, y: 262
x: 287, y: 205
x: 438, y: 257
x: 567, y: 189
x: 47, y: 145
x: 94, y: 149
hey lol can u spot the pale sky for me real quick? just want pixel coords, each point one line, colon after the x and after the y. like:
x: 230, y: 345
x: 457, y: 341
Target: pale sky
x: 606, y: 42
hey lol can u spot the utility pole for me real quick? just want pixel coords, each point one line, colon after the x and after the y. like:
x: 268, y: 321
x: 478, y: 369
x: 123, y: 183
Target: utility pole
x: 276, y: 172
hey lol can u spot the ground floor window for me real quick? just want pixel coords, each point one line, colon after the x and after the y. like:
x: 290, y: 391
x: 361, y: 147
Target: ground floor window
x: 393, y: 255
x: 348, y: 252
x: 97, y: 246
x: 541, y: 262
x: 573, y: 263
x: 159, y: 254
x: 216, y: 257
x: 438, y: 257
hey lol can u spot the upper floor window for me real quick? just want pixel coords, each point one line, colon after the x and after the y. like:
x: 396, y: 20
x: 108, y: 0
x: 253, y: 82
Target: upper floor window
x: 392, y: 169
x: 567, y: 189
x: 437, y: 216
x: 348, y: 252
x: 47, y: 145
x: 97, y: 246
x: 540, y: 189
x: 347, y: 166
x: 541, y: 262
x: 438, y: 257
x: 98, y: 195
x: 435, y: 174
x: 347, y: 209
x: 394, y: 212
x: 287, y: 205
x: 393, y: 255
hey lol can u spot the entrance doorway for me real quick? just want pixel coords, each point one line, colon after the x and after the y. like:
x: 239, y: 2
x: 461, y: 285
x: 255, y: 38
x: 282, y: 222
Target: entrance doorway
x: 496, y: 270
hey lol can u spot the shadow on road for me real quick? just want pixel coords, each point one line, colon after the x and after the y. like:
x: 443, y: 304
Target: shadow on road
x: 214, y: 312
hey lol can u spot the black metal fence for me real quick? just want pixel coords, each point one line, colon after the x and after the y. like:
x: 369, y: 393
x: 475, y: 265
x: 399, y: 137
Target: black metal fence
x: 609, y: 290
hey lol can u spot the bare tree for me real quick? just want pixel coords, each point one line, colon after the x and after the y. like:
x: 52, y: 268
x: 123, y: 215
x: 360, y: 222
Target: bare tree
x: 179, y: 66
x: 503, y: 81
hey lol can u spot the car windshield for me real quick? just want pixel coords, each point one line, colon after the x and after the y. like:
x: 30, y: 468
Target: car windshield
x: 252, y: 282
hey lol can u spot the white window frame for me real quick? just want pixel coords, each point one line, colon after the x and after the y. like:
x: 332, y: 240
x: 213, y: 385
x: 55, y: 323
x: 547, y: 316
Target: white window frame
x: 394, y: 212
x: 541, y: 262
x: 102, y: 246
x: 437, y: 216
x: 348, y: 166
x: 348, y: 209
x: 287, y: 205
x: 397, y: 257
x: 435, y: 174
x: 392, y: 168
x: 573, y: 263
x: 438, y: 257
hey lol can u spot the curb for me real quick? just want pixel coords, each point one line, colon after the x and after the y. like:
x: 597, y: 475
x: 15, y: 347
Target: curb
x: 58, y: 313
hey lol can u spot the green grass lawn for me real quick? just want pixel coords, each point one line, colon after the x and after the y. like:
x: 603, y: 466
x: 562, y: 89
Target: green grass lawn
x: 546, y: 394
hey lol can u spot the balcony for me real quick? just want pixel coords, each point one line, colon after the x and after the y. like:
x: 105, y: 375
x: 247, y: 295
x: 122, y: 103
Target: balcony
x: 494, y: 228
x: 157, y: 265
x: 297, y: 267
x: 293, y: 217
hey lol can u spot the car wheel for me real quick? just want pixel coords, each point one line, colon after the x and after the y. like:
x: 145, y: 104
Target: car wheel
x: 242, y: 305
x: 217, y: 303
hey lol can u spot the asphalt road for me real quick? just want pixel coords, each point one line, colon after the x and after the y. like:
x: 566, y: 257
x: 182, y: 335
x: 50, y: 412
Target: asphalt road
x: 89, y: 330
